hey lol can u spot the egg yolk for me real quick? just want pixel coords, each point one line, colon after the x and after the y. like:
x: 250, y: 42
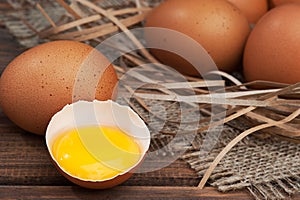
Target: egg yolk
x: 95, y: 153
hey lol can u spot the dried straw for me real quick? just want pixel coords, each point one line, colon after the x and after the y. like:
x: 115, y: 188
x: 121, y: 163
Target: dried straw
x: 238, y: 139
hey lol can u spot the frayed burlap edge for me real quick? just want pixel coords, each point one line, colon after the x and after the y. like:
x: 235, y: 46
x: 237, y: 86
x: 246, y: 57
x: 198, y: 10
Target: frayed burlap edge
x: 269, y: 168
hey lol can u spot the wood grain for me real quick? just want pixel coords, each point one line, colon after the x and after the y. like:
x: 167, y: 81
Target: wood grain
x: 124, y: 192
x: 8, y: 48
x: 24, y: 160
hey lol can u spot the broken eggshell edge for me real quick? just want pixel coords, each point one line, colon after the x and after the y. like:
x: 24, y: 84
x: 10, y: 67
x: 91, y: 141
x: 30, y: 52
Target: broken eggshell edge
x: 99, y: 113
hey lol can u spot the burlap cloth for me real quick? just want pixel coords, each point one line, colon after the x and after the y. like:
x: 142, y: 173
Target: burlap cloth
x: 269, y: 168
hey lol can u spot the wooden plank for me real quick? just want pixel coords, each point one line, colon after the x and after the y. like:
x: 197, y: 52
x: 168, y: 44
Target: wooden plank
x: 24, y: 160
x: 4, y: 5
x: 129, y: 192
x: 9, y: 48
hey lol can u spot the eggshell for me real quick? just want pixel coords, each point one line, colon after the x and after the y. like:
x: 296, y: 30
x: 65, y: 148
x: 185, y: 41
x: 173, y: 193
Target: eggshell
x: 272, y: 52
x: 217, y: 25
x: 274, y: 3
x: 253, y: 9
x: 42, y: 80
x: 84, y: 113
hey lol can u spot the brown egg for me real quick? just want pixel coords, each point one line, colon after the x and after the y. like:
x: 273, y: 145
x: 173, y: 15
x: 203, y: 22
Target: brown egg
x: 42, y: 80
x: 253, y: 9
x: 274, y: 3
x: 272, y: 52
x: 217, y: 25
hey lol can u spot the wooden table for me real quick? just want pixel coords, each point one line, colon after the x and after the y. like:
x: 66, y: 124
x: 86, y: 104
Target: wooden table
x: 27, y: 173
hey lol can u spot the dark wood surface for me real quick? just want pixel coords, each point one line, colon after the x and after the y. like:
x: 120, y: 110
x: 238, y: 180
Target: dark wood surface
x: 27, y: 173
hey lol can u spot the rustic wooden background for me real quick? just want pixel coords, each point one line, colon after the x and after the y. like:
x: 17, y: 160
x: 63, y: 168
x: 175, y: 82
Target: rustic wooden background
x: 27, y: 173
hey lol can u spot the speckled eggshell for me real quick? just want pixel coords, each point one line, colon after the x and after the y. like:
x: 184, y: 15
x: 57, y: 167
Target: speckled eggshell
x: 217, y: 25
x: 272, y: 52
x: 43, y: 79
x: 252, y: 9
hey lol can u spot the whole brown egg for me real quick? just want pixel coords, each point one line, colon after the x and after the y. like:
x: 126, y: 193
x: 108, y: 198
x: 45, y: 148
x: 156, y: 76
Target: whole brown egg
x: 253, y: 9
x: 42, y: 80
x: 217, y: 25
x: 272, y: 52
